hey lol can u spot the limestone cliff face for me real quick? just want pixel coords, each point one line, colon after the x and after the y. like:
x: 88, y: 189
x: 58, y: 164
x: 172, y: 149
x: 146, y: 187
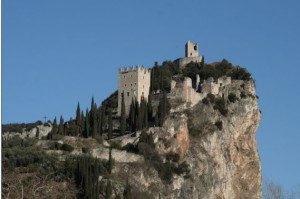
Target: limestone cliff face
x: 219, y: 149
x: 225, y: 163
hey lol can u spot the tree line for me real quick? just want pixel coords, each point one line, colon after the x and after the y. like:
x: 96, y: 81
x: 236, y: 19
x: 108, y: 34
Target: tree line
x: 97, y: 121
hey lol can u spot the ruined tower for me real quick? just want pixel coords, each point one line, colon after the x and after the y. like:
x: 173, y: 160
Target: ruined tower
x: 134, y: 84
x: 191, y: 49
x: 191, y: 54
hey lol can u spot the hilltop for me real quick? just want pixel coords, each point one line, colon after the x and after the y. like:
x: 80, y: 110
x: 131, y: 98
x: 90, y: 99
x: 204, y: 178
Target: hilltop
x: 193, y: 136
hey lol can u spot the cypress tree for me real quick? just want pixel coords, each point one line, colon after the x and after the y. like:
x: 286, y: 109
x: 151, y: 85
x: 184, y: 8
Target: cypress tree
x: 61, y: 126
x: 103, y: 119
x: 156, y: 119
x: 132, y: 116
x: 162, y: 109
x: 110, y: 126
x: 108, y: 192
x: 54, y: 122
x: 140, y: 115
x: 110, y: 161
x: 149, y: 107
x: 82, y: 117
x: 98, y: 121
x: 145, y: 115
x: 78, y: 116
x: 202, y: 61
x: 127, y: 192
x: 54, y: 129
x: 95, y: 125
x: 123, y: 116
x: 92, y: 103
x: 136, y: 115
x: 87, y: 124
x: 93, y: 118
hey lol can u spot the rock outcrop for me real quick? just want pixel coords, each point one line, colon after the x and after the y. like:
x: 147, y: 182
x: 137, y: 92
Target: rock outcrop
x: 219, y: 148
x: 206, y: 147
x: 38, y: 131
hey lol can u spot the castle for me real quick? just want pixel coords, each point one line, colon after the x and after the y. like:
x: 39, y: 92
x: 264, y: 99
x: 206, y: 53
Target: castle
x: 134, y: 82
x: 191, y: 54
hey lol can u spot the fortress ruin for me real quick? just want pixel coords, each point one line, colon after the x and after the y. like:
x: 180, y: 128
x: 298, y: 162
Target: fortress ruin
x: 134, y: 84
x: 191, y: 54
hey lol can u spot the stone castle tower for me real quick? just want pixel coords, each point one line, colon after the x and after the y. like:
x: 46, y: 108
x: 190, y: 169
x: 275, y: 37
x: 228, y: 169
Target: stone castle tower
x: 134, y: 83
x: 191, y: 49
x: 191, y: 54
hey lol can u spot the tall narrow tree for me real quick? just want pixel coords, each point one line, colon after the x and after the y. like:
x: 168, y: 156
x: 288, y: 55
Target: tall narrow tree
x: 103, y: 120
x: 131, y: 119
x: 123, y: 116
x: 61, y: 126
x: 78, y: 115
x: 54, y: 127
x: 149, y: 107
x: 87, y: 124
x: 110, y: 125
x: 145, y: 125
x: 162, y: 108
x: 136, y: 116
x: 110, y: 161
x: 127, y: 192
x: 108, y: 191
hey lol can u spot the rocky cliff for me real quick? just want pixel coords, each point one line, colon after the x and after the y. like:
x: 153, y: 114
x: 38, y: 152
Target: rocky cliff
x: 208, y: 147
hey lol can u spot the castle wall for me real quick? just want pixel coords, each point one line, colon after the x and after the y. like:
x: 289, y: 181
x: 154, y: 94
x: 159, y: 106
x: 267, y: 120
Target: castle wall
x: 134, y: 83
x: 184, y: 61
x: 224, y: 81
x: 143, y: 84
x: 209, y: 86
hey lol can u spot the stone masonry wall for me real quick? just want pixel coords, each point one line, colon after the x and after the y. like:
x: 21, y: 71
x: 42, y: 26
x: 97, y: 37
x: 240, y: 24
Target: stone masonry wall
x: 133, y: 83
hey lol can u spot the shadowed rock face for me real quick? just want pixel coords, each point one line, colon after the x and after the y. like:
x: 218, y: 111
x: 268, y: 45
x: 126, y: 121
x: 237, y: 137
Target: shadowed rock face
x: 223, y: 161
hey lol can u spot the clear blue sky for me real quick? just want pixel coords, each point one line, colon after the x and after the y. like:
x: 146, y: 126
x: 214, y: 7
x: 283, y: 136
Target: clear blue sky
x: 56, y: 53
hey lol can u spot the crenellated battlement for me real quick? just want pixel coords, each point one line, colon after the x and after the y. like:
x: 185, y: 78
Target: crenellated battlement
x: 134, y: 68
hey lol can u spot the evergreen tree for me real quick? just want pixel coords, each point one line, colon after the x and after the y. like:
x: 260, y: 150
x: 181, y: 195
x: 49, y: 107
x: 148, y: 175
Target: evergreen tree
x: 110, y: 161
x: 78, y: 116
x: 110, y: 125
x: 127, y: 192
x: 123, y: 116
x: 108, y: 192
x: 95, y: 125
x: 136, y: 111
x: 98, y: 121
x: 82, y: 122
x: 86, y: 124
x: 149, y: 107
x: 61, y: 126
x: 54, y: 122
x: 54, y: 129
x: 140, y: 116
x: 86, y: 172
x: 132, y: 114
x: 145, y: 115
x: 202, y: 61
x: 102, y: 119
x: 156, y: 119
x: 162, y: 109
x: 92, y: 103
x: 93, y: 118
